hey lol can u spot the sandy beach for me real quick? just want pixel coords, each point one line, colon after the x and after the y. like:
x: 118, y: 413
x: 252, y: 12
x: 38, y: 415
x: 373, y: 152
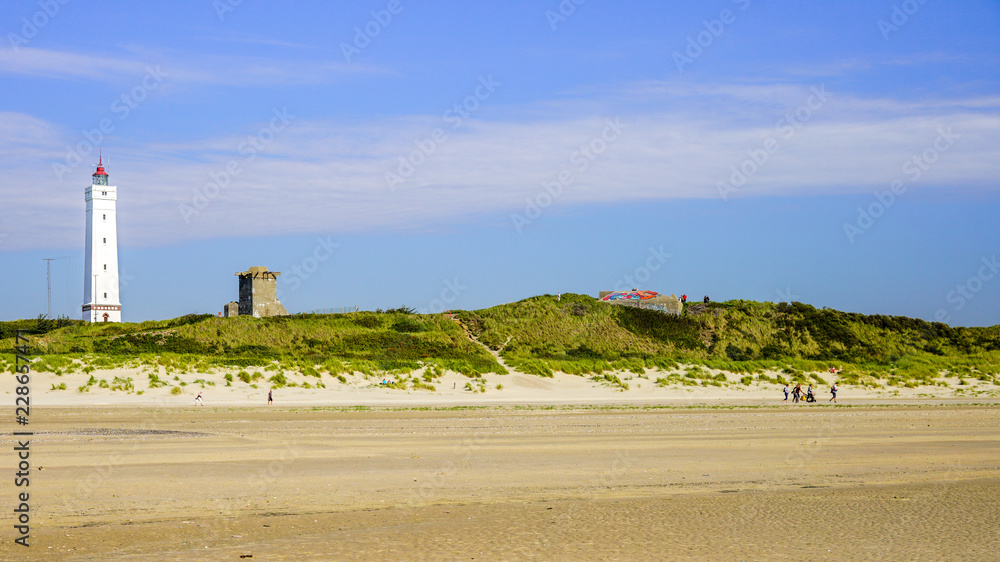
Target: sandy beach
x: 503, y: 482
x: 452, y: 389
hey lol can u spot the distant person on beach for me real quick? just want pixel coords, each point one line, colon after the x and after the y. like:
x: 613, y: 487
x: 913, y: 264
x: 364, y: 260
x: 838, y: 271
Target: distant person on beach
x: 809, y: 394
x: 270, y: 399
x: 786, y: 394
x: 198, y: 400
x: 796, y: 393
x: 833, y: 391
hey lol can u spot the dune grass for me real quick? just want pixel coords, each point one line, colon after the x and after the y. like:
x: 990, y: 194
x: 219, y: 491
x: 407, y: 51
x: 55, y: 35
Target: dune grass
x: 756, y: 342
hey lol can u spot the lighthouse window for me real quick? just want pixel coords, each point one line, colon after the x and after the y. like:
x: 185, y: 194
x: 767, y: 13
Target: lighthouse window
x: 104, y: 217
x: 104, y: 240
x: 105, y: 295
x: 105, y: 267
x: 104, y: 193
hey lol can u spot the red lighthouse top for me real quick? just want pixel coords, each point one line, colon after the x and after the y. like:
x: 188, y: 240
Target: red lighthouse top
x: 100, y: 166
x: 100, y: 177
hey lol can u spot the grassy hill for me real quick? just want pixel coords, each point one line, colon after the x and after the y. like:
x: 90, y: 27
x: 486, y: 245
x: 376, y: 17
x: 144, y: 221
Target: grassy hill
x: 364, y: 342
x: 576, y: 334
x: 579, y: 334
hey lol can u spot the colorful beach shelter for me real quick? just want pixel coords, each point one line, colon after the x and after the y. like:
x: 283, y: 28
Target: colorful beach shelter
x: 631, y: 295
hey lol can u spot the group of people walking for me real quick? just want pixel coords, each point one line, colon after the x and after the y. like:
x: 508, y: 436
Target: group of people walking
x: 808, y: 395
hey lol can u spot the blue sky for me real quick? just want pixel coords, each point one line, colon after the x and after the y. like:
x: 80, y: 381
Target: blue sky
x: 461, y: 155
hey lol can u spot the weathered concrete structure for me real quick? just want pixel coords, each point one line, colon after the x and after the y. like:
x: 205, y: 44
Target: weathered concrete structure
x: 231, y: 309
x: 258, y: 294
x: 643, y: 299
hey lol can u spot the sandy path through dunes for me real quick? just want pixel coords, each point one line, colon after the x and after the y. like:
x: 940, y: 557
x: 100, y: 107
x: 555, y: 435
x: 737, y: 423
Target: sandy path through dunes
x: 831, y: 483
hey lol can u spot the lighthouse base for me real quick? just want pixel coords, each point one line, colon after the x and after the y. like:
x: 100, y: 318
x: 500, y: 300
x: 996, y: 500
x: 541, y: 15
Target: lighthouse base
x: 102, y: 313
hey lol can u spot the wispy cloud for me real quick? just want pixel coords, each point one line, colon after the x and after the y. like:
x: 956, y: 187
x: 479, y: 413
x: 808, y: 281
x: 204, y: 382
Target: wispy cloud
x: 230, y: 36
x: 323, y: 176
x: 200, y: 69
x: 60, y: 64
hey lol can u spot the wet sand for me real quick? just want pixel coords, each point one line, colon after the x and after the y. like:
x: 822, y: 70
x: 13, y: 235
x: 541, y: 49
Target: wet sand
x: 505, y: 483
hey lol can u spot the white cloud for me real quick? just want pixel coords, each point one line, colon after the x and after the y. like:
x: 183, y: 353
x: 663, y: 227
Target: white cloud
x: 181, y: 67
x: 330, y: 176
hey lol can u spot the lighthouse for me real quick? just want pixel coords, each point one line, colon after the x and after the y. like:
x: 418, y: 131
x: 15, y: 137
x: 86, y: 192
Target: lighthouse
x: 100, y: 280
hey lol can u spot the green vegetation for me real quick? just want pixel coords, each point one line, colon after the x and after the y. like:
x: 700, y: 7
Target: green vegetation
x: 154, y: 381
x: 122, y: 383
x: 773, y: 343
x: 581, y: 335
x: 368, y: 343
x: 610, y: 380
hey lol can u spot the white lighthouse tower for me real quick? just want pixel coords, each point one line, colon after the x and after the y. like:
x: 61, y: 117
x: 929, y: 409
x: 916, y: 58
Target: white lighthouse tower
x: 100, y: 281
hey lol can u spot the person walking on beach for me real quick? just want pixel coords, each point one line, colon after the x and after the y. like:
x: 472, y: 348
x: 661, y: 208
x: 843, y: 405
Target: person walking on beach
x: 796, y: 393
x: 786, y: 394
x: 198, y: 401
x: 269, y: 398
x: 809, y: 394
x: 833, y: 391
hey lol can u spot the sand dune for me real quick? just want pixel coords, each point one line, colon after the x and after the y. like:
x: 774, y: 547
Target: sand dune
x: 516, y: 388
